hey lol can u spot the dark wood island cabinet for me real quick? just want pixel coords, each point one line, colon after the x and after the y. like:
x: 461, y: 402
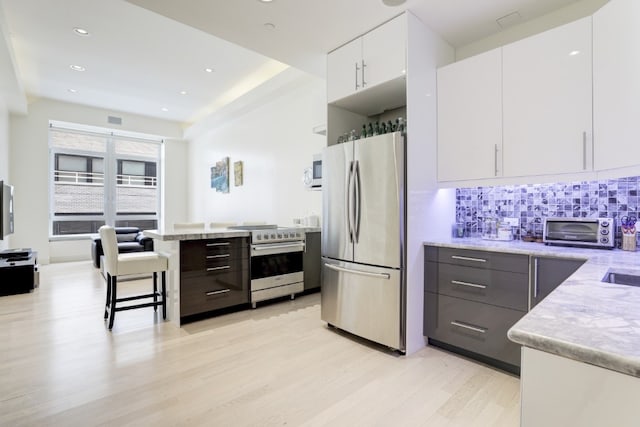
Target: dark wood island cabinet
x: 214, y: 274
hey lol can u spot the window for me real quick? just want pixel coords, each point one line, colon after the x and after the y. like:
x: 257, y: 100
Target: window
x: 102, y: 179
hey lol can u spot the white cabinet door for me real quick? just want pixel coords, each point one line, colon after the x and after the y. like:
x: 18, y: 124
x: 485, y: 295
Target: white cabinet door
x: 344, y: 70
x: 616, y: 84
x: 377, y: 57
x: 547, y: 103
x: 470, y: 118
x: 384, y: 52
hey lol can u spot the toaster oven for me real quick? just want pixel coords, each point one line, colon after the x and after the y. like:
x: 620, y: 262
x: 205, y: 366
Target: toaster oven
x: 587, y: 232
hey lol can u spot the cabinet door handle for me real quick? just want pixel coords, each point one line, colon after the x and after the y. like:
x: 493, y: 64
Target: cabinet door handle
x: 218, y: 268
x: 218, y: 244
x: 465, y: 258
x: 218, y: 256
x: 222, y: 291
x: 584, y: 150
x: 535, y: 277
x: 357, y: 69
x: 495, y: 160
x: 471, y: 285
x: 470, y: 327
x: 363, y: 82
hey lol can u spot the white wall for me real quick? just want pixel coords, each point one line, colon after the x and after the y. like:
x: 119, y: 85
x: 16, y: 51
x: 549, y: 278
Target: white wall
x: 29, y: 157
x: 275, y: 142
x: 562, y: 16
x: 4, y: 157
x: 429, y: 211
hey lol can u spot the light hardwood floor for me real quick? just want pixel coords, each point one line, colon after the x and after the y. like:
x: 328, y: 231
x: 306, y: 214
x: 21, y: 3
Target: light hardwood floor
x: 276, y: 365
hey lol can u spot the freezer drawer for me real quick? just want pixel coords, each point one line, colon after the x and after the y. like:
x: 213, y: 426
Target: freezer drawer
x: 365, y: 301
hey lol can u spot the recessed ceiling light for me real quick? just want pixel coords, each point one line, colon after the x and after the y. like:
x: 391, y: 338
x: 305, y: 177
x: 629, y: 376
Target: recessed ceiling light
x: 183, y: 92
x: 393, y: 2
x: 270, y: 26
x: 265, y: 1
x: 81, y: 31
x: 77, y: 67
x: 165, y: 109
x: 73, y: 90
x: 574, y: 53
x: 209, y: 70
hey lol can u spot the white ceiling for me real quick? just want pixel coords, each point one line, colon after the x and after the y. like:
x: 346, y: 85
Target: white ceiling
x: 139, y: 61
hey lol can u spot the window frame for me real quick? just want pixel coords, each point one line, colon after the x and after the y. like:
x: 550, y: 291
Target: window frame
x: 110, y: 177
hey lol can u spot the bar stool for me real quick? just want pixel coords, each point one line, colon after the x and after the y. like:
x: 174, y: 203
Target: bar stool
x: 131, y: 263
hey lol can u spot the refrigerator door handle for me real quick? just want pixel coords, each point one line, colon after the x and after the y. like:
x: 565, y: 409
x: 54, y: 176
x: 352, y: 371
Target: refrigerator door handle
x: 349, y: 224
x: 359, y: 272
x: 357, y: 201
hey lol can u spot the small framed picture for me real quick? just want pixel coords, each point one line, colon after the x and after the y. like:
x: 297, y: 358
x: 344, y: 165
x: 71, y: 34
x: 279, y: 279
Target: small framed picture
x: 220, y: 176
x: 237, y: 173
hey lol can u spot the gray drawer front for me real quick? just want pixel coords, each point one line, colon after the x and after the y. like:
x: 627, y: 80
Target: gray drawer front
x: 483, y: 259
x: 501, y: 288
x: 473, y: 326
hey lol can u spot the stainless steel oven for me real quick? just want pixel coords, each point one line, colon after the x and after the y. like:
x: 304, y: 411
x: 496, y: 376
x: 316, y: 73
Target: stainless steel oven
x: 276, y: 262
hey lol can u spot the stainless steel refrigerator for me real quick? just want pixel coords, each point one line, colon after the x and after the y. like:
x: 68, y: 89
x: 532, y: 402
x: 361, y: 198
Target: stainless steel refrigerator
x: 363, y: 238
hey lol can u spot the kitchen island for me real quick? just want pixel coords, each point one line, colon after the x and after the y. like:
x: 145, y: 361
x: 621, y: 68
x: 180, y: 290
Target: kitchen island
x: 209, y: 269
x: 169, y: 242
x: 581, y: 344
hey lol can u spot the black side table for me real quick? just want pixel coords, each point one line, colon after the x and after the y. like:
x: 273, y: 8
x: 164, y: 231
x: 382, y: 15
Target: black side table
x: 19, y: 275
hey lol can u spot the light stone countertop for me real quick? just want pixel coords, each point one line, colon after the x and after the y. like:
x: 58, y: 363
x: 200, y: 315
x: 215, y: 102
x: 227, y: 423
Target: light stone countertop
x: 195, y: 233
x: 583, y: 319
x: 208, y: 233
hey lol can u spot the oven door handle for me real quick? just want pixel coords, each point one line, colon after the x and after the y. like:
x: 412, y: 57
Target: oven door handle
x: 268, y: 247
x: 360, y: 272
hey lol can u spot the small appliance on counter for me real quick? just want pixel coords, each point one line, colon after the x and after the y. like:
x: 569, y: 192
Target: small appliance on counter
x: 496, y: 230
x: 586, y: 232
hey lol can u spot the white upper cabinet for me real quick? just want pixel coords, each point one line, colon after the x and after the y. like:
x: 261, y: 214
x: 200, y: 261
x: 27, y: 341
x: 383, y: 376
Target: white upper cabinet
x: 470, y: 118
x: 344, y: 70
x: 377, y: 57
x: 547, y: 102
x: 616, y: 84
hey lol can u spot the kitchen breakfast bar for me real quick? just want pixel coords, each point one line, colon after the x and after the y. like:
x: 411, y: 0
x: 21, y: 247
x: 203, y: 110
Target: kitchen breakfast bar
x: 213, y: 269
x: 169, y: 242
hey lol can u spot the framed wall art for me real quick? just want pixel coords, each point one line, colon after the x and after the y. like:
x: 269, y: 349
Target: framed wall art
x: 237, y: 173
x: 220, y: 176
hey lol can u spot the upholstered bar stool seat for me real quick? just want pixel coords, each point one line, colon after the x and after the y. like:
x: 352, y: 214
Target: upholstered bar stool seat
x: 131, y: 263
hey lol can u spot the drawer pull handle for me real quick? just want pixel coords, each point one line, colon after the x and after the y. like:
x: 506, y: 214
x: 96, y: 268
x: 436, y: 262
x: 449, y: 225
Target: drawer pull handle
x: 217, y: 256
x: 466, y: 258
x: 218, y: 244
x: 222, y: 291
x: 218, y: 268
x: 471, y: 285
x: 472, y: 328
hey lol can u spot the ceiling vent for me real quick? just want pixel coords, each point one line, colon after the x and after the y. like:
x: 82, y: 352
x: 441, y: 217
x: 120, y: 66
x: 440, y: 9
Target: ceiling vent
x: 509, y: 20
x: 114, y: 120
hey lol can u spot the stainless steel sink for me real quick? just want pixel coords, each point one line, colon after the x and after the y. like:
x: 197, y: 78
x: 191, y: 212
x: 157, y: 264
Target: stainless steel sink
x: 621, y: 278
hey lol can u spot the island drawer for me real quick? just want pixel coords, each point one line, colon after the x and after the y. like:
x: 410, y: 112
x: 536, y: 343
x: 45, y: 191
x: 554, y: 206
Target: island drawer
x: 473, y: 326
x: 516, y: 263
x: 202, y: 292
x: 202, y: 254
x: 502, y: 288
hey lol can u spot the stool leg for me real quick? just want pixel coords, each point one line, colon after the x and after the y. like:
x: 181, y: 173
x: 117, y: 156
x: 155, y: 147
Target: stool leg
x: 155, y: 290
x: 106, y: 305
x: 164, y: 294
x: 114, y: 293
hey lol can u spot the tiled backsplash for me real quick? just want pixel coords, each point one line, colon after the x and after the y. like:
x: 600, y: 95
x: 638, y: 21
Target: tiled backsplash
x: 531, y: 203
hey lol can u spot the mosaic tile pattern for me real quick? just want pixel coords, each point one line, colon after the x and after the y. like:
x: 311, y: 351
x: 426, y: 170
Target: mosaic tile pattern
x: 532, y: 203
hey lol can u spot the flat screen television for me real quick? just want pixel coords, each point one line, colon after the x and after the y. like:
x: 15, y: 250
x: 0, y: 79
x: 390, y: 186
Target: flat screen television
x: 6, y: 203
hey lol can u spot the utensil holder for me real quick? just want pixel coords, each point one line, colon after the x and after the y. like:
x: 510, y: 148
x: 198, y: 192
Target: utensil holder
x: 629, y: 242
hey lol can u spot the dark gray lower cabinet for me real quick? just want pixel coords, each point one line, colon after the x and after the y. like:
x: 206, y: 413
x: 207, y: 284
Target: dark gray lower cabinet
x: 473, y: 297
x: 311, y: 261
x: 547, y: 273
x: 214, y: 274
x: 474, y: 326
